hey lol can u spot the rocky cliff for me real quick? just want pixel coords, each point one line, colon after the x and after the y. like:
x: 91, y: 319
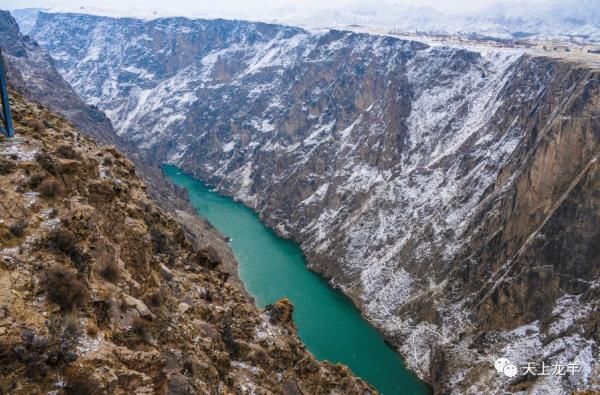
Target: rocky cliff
x: 31, y: 71
x: 101, y: 292
x: 451, y: 194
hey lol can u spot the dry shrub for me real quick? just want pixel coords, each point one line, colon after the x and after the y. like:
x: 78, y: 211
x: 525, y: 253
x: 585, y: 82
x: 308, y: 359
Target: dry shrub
x: 46, y: 162
x: 64, y: 288
x: 35, y: 180
x: 91, y: 329
x: 161, y: 241
x: 102, y: 311
x: 7, y: 166
x: 178, y: 385
x: 70, y: 323
x: 39, y: 353
x: 38, y: 126
x: 110, y: 271
x: 17, y: 115
x: 231, y: 345
x: 64, y: 241
x: 17, y: 229
x: 156, y: 298
x: 80, y: 384
x: 67, y: 152
x: 49, y: 188
x: 142, y: 329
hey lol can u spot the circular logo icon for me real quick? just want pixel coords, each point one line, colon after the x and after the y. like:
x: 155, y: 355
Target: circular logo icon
x: 510, y: 370
x: 505, y: 366
x: 500, y: 364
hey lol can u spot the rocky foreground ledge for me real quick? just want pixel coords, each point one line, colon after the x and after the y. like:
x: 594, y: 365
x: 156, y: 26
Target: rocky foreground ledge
x: 102, y: 292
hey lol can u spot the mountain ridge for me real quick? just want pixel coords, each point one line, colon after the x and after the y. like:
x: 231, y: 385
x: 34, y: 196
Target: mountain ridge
x: 549, y: 20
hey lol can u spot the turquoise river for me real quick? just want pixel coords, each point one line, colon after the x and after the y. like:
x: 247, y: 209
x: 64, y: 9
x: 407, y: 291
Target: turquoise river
x: 273, y: 268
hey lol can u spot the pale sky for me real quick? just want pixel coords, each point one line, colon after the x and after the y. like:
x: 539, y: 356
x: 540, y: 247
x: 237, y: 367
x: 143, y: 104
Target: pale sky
x: 253, y: 6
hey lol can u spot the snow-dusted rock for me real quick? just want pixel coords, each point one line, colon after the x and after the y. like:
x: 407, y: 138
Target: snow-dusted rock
x: 450, y: 193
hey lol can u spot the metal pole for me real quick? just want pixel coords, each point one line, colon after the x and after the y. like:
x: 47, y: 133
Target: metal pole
x: 7, y: 129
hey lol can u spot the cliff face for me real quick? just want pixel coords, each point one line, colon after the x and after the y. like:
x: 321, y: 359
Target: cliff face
x: 31, y: 70
x: 102, y: 292
x: 451, y: 194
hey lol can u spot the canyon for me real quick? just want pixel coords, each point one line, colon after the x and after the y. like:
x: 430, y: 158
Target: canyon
x: 103, y: 292
x: 106, y: 290
x: 451, y: 194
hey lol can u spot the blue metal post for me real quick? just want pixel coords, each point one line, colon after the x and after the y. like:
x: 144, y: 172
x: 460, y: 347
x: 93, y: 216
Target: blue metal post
x: 7, y: 126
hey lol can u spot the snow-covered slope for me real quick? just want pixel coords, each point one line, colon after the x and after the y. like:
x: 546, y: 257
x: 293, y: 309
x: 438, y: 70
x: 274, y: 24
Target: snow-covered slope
x: 553, y: 19
x: 26, y: 18
x: 566, y: 20
x: 449, y: 193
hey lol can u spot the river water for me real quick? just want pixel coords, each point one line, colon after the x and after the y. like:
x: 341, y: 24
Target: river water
x: 272, y: 268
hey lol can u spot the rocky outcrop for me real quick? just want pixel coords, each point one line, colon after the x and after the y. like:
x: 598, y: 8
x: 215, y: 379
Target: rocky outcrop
x: 102, y: 292
x: 449, y: 193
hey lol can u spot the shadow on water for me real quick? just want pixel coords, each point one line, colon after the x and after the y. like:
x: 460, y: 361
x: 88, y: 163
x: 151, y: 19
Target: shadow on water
x: 273, y: 268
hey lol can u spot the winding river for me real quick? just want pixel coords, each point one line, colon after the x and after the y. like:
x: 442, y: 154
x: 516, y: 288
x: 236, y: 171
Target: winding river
x: 273, y: 268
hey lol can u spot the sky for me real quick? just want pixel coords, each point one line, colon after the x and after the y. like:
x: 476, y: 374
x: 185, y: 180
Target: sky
x: 252, y: 7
